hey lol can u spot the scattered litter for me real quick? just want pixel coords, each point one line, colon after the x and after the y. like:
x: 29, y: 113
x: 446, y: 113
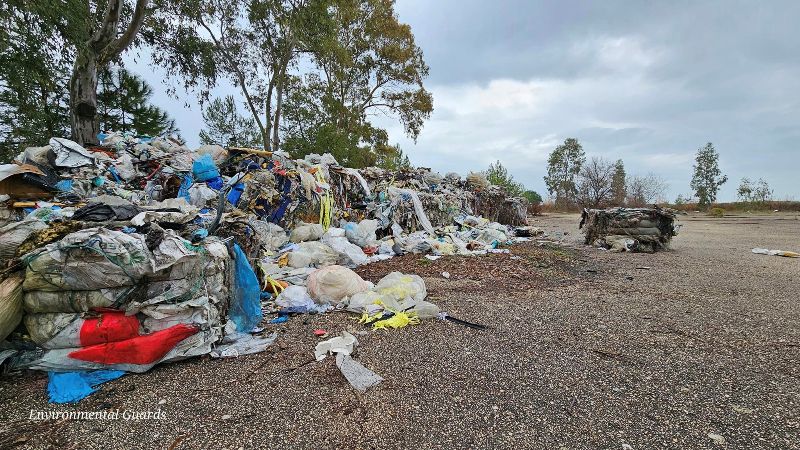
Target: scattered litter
x: 447, y: 317
x: 319, y: 332
x: 356, y: 374
x: 446, y: 274
x: 71, y: 387
x: 718, y: 439
x: 343, y: 344
x: 239, y: 344
x: 784, y: 253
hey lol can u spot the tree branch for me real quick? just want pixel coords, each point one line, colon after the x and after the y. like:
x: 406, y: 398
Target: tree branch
x: 105, y: 33
x: 241, y: 80
x: 116, y: 47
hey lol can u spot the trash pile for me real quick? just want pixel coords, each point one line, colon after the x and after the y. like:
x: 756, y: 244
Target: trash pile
x: 629, y: 229
x: 140, y: 251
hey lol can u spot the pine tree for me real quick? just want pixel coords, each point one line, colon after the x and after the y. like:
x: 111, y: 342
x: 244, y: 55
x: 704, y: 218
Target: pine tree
x: 123, y: 105
x: 618, y: 184
x: 226, y: 127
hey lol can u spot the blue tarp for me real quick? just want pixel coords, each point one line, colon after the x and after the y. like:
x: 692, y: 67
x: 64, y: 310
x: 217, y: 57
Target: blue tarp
x: 245, y: 310
x: 71, y: 387
x: 204, y: 169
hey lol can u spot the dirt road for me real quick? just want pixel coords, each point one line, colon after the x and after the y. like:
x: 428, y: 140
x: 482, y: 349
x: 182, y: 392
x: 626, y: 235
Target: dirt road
x: 697, y: 347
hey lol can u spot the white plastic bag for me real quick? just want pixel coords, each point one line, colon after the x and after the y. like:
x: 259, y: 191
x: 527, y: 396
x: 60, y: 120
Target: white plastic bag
x: 306, y: 232
x: 313, y: 253
x: 363, y: 233
x: 398, y: 287
x: 350, y: 255
x: 333, y: 283
x: 294, y: 297
x: 70, y: 153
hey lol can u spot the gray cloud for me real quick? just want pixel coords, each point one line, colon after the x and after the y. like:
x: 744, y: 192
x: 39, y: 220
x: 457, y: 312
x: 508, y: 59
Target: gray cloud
x: 648, y: 82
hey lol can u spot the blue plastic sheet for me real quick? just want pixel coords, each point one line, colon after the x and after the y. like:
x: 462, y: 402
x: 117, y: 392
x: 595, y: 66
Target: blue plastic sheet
x: 71, y: 387
x: 215, y: 183
x: 204, y: 169
x: 245, y: 310
x: 236, y: 193
x: 186, y: 183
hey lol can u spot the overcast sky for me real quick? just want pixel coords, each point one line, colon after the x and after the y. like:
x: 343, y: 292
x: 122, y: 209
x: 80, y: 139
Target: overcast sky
x: 647, y: 82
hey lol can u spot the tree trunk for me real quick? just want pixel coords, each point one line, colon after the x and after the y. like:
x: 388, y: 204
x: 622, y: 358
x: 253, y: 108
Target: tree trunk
x: 268, y: 118
x: 83, y: 99
x: 276, y: 124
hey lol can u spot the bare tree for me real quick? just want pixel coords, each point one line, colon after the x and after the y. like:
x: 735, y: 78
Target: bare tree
x: 646, y: 190
x: 595, y: 187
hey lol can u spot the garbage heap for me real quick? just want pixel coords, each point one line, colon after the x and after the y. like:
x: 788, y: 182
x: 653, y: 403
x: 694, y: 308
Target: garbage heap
x: 629, y: 229
x: 140, y: 251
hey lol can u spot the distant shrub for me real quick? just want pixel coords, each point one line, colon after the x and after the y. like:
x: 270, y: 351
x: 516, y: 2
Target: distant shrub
x: 716, y: 212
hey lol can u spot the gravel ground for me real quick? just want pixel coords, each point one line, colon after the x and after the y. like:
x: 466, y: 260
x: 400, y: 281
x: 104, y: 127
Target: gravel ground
x: 586, y: 349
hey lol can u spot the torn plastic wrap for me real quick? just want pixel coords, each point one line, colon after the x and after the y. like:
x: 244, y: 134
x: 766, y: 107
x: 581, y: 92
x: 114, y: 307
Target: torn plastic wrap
x: 420, y: 211
x: 70, y: 154
x: 245, y: 309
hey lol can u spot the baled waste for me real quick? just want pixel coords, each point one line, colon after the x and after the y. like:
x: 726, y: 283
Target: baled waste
x: 629, y: 229
x: 141, y: 251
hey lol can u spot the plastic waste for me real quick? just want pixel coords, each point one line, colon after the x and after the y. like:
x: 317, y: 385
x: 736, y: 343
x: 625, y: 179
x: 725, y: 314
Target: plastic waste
x: 350, y: 255
x: 359, y: 377
x: 365, y: 302
x: 363, y: 233
x: 418, y: 209
x: 217, y: 152
x: 297, y: 298
x: 200, y: 195
x: 343, y: 344
x: 306, y: 232
x: 204, y: 168
x: 71, y: 387
x: 787, y: 254
x: 417, y: 242
x: 67, y: 330
x: 94, y: 258
x: 238, y: 344
x: 10, y: 304
x: 245, y: 308
x: 70, y: 153
x: 396, y: 287
x: 15, y: 233
x: 355, y: 173
x: 313, y: 253
x: 333, y: 283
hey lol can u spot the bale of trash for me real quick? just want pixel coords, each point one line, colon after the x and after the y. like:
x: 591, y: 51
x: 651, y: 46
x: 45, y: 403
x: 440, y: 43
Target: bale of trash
x: 629, y: 229
x: 10, y: 304
x: 101, y: 298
